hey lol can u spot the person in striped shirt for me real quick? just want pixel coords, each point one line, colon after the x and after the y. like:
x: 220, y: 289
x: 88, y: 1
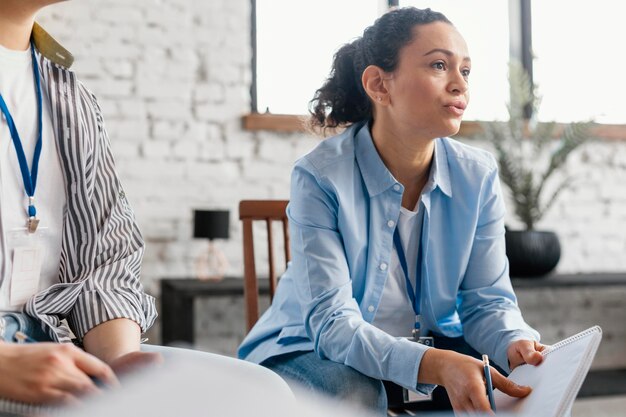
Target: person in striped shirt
x: 70, y: 249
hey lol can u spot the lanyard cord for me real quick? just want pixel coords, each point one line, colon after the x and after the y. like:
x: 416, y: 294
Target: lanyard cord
x: 29, y: 178
x: 414, y: 293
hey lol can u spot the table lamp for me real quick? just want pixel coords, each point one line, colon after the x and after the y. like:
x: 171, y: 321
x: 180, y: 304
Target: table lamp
x: 211, y: 224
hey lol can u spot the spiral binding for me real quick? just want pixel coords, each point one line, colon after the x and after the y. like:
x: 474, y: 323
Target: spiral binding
x: 16, y: 408
x: 571, y: 339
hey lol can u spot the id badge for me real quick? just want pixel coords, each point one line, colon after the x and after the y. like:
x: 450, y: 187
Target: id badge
x: 26, y: 252
x: 408, y: 395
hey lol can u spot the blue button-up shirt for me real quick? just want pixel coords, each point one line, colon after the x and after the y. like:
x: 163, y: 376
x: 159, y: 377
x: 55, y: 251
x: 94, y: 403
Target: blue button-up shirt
x: 342, y: 200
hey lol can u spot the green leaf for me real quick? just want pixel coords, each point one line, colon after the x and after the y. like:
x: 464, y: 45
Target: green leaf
x: 520, y: 145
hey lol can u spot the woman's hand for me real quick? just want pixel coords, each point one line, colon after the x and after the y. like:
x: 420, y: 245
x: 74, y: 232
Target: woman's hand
x: 135, y: 361
x: 524, y: 351
x: 50, y: 373
x: 464, y: 380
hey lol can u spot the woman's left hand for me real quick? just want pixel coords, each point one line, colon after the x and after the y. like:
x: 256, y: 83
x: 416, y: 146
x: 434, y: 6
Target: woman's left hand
x: 135, y: 361
x: 524, y: 351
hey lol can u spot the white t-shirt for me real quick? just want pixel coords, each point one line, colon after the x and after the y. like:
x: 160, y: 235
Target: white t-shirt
x: 395, y: 314
x: 17, y: 87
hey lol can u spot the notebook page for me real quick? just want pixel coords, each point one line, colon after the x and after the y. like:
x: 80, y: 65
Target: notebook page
x: 556, y: 380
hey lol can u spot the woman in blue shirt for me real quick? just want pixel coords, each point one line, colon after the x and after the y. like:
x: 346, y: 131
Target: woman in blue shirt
x: 397, y: 232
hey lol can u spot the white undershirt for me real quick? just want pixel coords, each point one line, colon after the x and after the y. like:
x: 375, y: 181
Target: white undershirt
x: 18, y: 90
x: 395, y: 313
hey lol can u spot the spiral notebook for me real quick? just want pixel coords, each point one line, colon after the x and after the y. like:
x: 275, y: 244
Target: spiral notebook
x: 556, y: 381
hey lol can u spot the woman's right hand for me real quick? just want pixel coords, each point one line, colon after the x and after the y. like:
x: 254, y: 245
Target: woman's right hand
x: 50, y: 373
x: 463, y: 378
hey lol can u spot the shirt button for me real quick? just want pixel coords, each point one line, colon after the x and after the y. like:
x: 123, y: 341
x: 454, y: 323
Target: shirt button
x: 396, y: 187
x: 370, y: 309
x: 383, y: 266
x: 391, y: 223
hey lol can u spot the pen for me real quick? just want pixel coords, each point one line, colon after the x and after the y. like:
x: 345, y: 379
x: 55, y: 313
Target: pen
x: 21, y: 337
x: 488, y: 382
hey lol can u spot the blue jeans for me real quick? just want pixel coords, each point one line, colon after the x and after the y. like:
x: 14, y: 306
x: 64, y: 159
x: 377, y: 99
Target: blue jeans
x: 341, y: 381
x: 307, y: 370
x: 12, y: 322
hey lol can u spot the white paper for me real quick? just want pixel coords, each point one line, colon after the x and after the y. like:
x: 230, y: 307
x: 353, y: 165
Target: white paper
x: 25, y: 273
x: 556, y: 381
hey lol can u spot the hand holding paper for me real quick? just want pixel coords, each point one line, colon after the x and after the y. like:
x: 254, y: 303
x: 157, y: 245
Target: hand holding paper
x: 557, y: 380
x: 464, y: 379
x: 524, y: 351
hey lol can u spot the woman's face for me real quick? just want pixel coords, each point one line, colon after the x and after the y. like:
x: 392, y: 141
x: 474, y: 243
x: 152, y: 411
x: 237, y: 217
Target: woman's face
x: 428, y: 91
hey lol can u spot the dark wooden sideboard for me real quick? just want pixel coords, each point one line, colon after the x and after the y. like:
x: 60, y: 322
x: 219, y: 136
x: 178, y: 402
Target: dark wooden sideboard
x: 177, y: 304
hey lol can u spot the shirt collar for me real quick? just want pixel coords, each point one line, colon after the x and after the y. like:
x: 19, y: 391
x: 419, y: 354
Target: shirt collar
x: 440, y: 170
x: 373, y: 170
x: 50, y: 48
x: 378, y: 178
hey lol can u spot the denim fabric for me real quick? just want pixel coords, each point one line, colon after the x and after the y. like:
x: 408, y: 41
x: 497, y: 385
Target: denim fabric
x: 11, y: 322
x: 307, y: 370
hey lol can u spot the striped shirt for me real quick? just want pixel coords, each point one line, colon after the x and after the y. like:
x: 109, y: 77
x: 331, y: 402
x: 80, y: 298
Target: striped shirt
x: 102, y: 247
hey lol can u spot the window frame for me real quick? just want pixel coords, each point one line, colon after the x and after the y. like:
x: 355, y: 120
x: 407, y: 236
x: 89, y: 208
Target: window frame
x: 520, y: 35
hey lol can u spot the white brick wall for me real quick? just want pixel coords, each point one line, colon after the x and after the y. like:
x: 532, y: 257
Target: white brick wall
x: 173, y: 80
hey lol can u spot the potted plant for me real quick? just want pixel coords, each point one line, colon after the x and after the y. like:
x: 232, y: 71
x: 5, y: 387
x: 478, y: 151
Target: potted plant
x: 529, y: 154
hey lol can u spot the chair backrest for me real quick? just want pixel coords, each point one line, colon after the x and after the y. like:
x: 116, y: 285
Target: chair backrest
x: 267, y: 211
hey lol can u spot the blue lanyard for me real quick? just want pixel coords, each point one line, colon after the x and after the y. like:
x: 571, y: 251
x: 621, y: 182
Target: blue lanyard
x: 414, y: 294
x: 29, y: 177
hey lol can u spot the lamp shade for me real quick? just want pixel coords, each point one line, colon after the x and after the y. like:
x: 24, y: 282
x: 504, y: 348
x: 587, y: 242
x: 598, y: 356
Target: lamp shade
x: 210, y: 224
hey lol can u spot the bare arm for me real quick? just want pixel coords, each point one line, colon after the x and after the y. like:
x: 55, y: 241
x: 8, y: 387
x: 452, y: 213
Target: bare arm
x: 116, y: 342
x: 113, y: 339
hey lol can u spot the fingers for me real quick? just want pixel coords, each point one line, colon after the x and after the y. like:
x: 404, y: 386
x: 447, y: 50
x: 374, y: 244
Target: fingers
x: 60, y: 388
x: 525, y: 351
x: 480, y: 402
x: 529, y: 352
x: 76, y: 383
x: 466, y: 386
x: 94, y: 367
x: 51, y: 373
x: 474, y: 406
x: 507, y: 386
x: 59, y: 397
x: 135, y: 361
x: 65, y: 378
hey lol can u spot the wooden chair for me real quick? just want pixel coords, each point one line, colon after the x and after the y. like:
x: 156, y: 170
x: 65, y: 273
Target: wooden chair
x: 268, y: 211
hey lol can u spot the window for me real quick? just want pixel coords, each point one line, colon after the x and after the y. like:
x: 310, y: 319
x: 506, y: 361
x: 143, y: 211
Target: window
x: 296, y: 42
x: 580, y: 60
x: 577, y: 56
x: 294, y: 54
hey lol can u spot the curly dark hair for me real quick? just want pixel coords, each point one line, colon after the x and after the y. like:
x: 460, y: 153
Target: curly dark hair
x: 342, y: 99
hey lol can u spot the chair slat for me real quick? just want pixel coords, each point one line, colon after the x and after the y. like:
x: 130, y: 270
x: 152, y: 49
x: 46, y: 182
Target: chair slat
x: 251, y: 290
x: 262, y: 209
x: 266, y: 210
x: 270, y: 254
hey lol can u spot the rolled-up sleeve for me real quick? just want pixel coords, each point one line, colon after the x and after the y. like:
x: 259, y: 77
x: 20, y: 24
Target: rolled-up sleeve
x: 112, y: 289
x: 331, y: 314
x: 488, y: 309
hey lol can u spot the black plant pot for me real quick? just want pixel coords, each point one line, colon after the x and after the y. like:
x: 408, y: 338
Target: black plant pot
x: 532, y: 254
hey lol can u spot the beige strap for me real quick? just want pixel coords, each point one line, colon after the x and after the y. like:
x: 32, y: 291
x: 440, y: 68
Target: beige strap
x: 50, y: 48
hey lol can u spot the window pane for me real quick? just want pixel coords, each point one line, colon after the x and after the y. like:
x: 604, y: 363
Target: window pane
x: 580, y: 60
x: 296, y: 41
x: 485, y: 26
